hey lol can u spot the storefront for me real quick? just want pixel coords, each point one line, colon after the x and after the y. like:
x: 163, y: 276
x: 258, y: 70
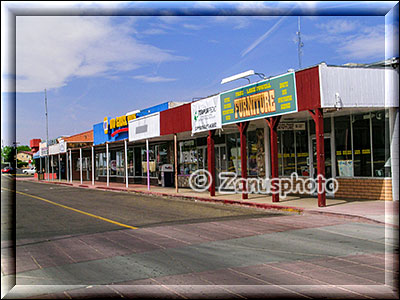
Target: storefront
x: 337, y: 122
x: 117, y: 138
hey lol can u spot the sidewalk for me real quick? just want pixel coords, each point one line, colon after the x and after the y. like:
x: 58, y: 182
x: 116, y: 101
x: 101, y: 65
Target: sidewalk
x: 384, y: 212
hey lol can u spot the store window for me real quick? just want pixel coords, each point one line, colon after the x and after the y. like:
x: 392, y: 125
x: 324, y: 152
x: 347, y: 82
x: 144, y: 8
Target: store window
x: 187, y: 157
x: 119, y: 163
x: 302, y: 153
x: 280, y: 156
x: 101, y: 164
x: 130, y: 162
x: 288, y: 153
x: 256, y: 153
x: 344, y: 161
x: 381, y: 143
x: 327, y: 125
x: 233, y: 148
x: 161, y: 157
x: 361, y: 144
x: 152, y: 161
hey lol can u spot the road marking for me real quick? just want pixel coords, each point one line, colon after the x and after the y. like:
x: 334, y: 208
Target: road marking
x: 74, y: 209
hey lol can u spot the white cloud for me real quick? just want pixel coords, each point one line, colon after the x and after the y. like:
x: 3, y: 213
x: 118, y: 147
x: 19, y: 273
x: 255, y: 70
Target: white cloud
x: 339, y: 26
x: 368, y: 44
x: 152, y: 79
x: 50, y: 50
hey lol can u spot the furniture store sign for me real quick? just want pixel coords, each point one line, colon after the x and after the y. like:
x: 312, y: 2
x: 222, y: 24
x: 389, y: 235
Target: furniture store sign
x: 206, y: 114
x: 267, y: 98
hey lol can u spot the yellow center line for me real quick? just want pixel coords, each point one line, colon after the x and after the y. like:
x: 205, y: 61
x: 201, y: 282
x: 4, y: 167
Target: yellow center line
x: 74, y: 209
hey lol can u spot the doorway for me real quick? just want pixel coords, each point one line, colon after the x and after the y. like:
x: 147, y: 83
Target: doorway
x: 137, y: 161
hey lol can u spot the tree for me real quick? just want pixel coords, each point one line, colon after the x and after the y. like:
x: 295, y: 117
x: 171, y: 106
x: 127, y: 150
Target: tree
x: 7, y: 154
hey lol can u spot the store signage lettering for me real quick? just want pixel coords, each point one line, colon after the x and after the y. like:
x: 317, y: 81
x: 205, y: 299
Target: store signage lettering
x: 267, y: 98
x: 117, y: 122
x: 291, y: 126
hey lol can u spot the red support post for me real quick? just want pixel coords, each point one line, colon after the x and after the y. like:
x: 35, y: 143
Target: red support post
x: 211, y: 160
x: 318, y: 117
x: 273, y: 125
x: 243, y: 155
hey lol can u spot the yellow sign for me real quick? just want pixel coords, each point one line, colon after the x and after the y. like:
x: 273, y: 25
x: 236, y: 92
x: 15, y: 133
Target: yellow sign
x: 117, y: 122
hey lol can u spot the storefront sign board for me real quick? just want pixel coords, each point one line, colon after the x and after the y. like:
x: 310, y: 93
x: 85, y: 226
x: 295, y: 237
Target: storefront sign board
x: 267, y: 98
x: 145, y: 127
x: 206, y: 114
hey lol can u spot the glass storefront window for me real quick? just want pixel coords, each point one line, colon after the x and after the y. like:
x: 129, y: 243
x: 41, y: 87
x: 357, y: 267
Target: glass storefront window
x: 280, y: 156
x: 344, y: 162
x: 380, y: 143
x: 302, y: 153
x: 101, y: 164
x: 256, y: 153
x: 187, y: 157
x: 361, y: 144
x: 288, y: 153
x: 233, y: 148
x: 152, y: 162
x: 120, y: 163
x: 130, y: 162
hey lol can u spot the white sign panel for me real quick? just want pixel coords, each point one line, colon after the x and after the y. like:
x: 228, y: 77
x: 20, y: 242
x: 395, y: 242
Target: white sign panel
x: 145, y: 127
x: 206, y: 114
x: 43, y: 149
x: 54, y: 149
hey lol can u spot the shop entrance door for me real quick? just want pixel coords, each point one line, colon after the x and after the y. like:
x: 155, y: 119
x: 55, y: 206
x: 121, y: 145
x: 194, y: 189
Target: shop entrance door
x: 328, y: 161
x: 220, y: 162
x: 137, y: 161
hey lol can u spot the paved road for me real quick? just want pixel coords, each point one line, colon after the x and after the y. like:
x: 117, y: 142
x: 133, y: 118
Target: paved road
x: 81, y: 242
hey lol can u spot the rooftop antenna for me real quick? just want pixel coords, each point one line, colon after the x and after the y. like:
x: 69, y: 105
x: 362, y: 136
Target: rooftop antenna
x: 300, y: 43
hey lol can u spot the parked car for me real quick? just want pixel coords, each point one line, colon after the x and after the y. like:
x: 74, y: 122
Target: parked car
x: 29, y: 171
x: 8, y: 170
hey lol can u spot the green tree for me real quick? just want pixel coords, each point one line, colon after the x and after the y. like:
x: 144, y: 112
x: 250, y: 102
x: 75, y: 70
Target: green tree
x: 7, y: 154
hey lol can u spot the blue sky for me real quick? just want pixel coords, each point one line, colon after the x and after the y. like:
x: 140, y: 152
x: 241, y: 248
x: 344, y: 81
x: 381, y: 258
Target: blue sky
x: 96, y: 65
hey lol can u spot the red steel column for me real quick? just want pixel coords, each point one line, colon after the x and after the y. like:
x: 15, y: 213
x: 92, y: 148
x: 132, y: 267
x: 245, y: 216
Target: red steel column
x: 319, y: 134
x: 243, y: 155
x: 211, y: 160
x: 273, y: 125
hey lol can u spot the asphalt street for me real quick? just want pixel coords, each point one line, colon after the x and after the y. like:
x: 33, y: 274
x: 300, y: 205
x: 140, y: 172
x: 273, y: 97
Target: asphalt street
x: 81, y: 242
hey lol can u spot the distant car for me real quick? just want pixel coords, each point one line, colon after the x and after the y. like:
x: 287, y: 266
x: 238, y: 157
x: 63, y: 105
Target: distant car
x: 29, y: 171
x: 7, y: 170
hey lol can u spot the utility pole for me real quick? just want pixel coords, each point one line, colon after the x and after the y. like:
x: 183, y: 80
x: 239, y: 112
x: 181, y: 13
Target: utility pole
x: 300, y: 43
x: 47, y: 134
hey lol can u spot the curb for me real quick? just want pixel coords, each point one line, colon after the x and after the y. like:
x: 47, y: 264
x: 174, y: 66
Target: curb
x: 298, y: 210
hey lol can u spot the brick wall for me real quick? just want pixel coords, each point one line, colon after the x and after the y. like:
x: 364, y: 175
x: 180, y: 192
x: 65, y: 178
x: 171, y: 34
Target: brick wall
x: 365, y: 188
x: 351, y: 188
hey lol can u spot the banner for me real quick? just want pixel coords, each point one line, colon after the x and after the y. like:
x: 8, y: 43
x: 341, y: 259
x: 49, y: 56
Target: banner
x: 267, y: 98
x: 206, y: 114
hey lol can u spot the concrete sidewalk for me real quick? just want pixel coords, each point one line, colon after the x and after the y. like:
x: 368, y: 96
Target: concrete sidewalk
x: 384, y: 212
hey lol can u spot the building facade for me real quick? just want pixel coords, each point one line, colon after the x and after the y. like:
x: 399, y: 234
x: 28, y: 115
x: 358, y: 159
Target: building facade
x: 341, y: 122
